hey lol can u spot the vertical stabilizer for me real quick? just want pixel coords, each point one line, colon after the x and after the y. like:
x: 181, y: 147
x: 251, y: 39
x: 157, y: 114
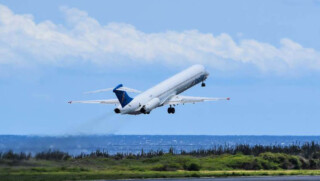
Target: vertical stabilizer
x: 122, y: 96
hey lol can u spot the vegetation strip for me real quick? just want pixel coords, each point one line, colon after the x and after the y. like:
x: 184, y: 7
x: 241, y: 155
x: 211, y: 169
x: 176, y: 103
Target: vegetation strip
x: 242, y: 160
x: 148, y: 174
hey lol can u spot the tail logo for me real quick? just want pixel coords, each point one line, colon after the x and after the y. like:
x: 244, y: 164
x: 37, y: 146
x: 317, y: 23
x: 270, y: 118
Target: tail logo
x: 122, y: 97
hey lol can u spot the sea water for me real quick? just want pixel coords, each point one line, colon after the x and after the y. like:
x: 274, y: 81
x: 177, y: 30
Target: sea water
x: 135, y: 143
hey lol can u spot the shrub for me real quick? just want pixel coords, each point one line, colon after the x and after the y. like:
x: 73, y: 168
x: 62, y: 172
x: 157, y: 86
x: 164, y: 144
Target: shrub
x: 193, y: 167
x: 313, y: 164
x: 304, y: 163
x: 295, y: 161
x: 166, y: 167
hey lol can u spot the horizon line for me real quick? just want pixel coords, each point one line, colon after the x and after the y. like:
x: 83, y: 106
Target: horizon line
x: 74, y: 135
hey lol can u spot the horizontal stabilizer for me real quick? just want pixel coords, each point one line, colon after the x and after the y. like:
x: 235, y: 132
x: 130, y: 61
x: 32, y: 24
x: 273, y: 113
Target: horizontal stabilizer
x: 129, y: 90
x: 107, y: 101
x: 98, y: 91
x: 110, y: 89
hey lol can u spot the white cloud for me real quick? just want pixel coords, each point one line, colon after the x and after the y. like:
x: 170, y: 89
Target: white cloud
x: 85, y: 39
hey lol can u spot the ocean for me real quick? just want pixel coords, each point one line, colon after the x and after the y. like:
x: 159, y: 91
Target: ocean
x: 135, y: 143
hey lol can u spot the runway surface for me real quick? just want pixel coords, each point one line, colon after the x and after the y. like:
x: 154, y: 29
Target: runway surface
x: 275, y: 178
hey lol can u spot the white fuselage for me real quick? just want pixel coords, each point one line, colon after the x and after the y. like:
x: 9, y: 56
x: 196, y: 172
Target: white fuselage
x: 159, y: 94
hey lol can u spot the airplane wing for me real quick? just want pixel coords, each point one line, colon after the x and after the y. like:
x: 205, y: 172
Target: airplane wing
x: 178, y: 99
x: 107, y: 101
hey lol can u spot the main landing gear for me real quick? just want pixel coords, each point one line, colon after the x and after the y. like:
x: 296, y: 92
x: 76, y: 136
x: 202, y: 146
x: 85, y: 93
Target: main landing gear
x: 203, y: 84
x: 171, y: 110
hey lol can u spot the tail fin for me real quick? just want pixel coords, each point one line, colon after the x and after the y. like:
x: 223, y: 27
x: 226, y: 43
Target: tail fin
x: 122, y: 96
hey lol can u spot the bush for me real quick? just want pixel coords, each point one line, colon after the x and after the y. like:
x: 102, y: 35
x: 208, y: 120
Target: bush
x: 267, y: 165
x: 304, y: 163
x: 296, y: 162
x: 284, y: 161
x: 241, y: 161
x: 252, y: 165
x: 313, y: 164
x: 166, y: 167
x: 193, y: 167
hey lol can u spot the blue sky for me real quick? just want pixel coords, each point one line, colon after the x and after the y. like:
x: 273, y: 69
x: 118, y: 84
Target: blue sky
x: 265, y: 55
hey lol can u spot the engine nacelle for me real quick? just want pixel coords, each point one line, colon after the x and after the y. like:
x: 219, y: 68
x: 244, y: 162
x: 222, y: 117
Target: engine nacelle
x: 117, y: 110
x: 155, y: 102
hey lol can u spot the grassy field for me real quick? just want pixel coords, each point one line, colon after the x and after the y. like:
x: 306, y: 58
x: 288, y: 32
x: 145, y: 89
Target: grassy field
x: 164, y: 166
x: 106, y: 174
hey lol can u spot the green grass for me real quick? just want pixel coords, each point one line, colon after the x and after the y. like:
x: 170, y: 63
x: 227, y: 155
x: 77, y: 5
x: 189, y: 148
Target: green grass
x: 165, y: 166
x: 90, y: 175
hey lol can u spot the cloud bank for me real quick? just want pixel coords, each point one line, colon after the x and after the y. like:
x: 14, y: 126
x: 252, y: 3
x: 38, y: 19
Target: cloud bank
x: 82, y: 39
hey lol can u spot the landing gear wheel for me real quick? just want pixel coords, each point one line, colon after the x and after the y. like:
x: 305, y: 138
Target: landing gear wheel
x: 203, y: 84
x: 171, y: 110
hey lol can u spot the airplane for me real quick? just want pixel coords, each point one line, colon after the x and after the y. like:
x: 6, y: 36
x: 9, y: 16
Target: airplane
x: 164, y: 93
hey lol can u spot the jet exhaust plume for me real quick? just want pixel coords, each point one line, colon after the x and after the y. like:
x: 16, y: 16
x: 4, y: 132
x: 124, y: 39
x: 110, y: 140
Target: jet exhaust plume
x: 102, y: 124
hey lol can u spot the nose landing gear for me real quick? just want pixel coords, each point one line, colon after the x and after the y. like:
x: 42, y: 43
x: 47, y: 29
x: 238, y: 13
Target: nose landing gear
x: 203, y: 84
x: 171, y: 110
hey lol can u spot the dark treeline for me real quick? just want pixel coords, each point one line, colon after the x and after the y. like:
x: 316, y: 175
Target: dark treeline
x: 52, y: 155
x: 10, y: 155
x: 309, y: 150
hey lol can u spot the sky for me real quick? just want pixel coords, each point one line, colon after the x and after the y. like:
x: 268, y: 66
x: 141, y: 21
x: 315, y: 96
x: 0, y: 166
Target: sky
x: 265, y: 55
